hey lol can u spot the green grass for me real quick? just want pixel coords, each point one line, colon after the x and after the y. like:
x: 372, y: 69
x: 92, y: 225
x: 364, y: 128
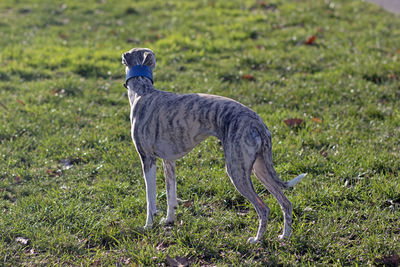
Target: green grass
x: 62, y: 101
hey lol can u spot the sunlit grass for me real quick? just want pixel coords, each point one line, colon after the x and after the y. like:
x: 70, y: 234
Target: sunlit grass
x: 71, y: 186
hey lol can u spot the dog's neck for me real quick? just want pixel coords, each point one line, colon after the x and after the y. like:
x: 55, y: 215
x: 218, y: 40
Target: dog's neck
x: 139, y: 78
x: 139, y: 86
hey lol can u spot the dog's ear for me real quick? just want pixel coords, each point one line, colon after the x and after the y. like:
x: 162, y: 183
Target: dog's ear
x: 149, y: 59
x: 139, y: 56
x: 124, y: 60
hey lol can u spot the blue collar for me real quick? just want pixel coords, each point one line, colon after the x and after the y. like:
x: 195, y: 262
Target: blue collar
x: 139, y: 70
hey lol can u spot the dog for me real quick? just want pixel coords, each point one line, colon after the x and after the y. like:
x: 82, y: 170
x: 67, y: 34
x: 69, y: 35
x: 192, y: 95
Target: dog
x: 168, y: 126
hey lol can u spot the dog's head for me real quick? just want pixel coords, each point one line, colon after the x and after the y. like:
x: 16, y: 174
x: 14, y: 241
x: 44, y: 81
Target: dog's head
x: 139, y: 56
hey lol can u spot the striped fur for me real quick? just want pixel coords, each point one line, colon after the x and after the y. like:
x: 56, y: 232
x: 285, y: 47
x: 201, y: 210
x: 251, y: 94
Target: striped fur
x: 168, y: 126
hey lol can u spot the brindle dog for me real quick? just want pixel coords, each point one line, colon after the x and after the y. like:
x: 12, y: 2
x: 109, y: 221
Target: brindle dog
x: 168, y: 126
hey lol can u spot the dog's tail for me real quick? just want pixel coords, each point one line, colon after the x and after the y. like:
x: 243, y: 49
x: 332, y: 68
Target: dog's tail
x: 293, y: 182
x: 264, y: 169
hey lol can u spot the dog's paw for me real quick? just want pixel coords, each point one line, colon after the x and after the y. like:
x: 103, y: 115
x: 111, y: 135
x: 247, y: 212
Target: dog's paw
x: 167, y: 222
x: 282, y: 237
x: 148, y: 226
x: 253, y: 240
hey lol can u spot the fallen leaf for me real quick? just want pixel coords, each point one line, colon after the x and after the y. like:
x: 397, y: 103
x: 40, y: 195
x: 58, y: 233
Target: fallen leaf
x: 317, y: 120
x: 20, y: 102
x: 311, y: 40
x: 248, y: 77
x: 294, y: 122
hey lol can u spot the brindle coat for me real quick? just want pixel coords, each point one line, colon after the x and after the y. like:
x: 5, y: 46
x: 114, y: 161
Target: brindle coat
x: 168, y: 126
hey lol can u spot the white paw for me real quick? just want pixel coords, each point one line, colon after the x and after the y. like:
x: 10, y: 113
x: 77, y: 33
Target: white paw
x: 252, y: 240
x: 167, y: 222
x: 282, y: 237
x: 148, y: 226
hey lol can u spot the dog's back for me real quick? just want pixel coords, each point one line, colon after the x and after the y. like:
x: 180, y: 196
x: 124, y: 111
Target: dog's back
x: 172, y: 124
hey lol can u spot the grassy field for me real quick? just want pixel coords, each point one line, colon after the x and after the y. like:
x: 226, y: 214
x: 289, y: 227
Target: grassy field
x: 324, y: 76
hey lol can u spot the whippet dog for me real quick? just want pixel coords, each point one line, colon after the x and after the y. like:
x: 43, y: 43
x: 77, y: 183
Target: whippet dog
x: 168, y: 126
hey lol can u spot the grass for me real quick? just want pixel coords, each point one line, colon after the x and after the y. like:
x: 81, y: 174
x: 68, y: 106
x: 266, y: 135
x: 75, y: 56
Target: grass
x: 71, y: 188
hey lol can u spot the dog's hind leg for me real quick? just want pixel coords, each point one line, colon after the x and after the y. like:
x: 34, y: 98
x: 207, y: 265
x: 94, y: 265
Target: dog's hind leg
x: 149, y: 171
x: 239, y: 158
x: 170, y: 183
x: 240, y: 177
x: 265, y: 177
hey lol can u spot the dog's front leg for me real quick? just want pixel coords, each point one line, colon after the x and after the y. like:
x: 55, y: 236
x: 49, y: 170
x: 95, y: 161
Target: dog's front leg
x: 170, y: 183
x: 149, y: 171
